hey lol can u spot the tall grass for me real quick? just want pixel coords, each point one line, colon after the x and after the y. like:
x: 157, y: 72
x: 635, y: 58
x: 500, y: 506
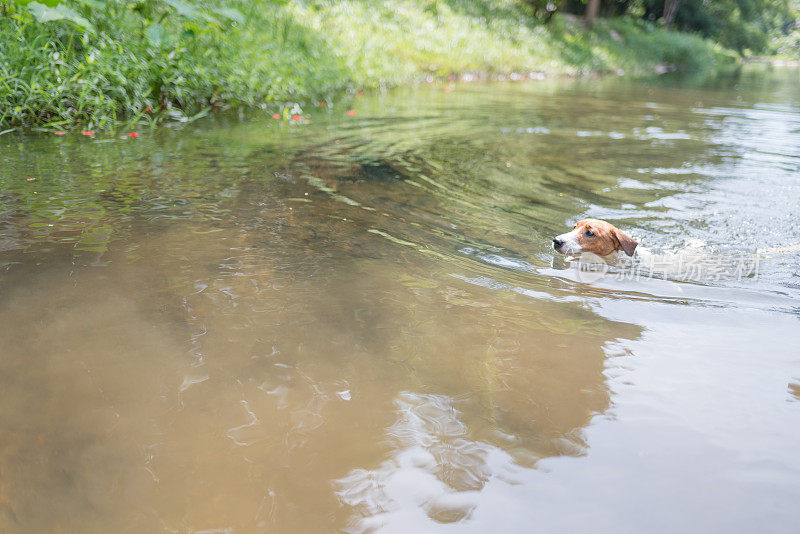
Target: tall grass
x: 57, y: 75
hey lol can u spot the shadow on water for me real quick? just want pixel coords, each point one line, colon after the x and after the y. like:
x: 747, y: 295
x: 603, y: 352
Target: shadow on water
x: 358, y: 325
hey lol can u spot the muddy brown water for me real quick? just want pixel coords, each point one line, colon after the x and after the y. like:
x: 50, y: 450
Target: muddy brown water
x: 358, y: 323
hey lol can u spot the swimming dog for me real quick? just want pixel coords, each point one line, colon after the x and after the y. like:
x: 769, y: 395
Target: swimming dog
x: 594, y: 236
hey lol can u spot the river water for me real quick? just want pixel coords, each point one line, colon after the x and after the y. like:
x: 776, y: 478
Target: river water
x: 358, y: 322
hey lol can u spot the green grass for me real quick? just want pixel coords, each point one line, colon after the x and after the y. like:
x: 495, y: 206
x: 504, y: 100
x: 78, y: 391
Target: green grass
x: 394, y: 41
x: 286, y: 56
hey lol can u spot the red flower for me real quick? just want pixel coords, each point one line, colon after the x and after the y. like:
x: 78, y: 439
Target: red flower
x: 148, y: 110
x: 133, y: 135
x: 59, y: 132
x: 87, y: 132
x: 351, y: 112
x: 276, y: 116
x: 359, y: 92
x: 321, y: 104
x: 31, y: 179
x: 448, y: 89
x: 296, y: 117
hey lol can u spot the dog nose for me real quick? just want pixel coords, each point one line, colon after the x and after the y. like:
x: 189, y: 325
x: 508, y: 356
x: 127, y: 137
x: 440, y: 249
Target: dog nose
x: 557, y: 242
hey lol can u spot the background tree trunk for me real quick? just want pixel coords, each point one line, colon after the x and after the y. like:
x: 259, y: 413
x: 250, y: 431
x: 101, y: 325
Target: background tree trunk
x: 670, y: 9
x: 592, y: 7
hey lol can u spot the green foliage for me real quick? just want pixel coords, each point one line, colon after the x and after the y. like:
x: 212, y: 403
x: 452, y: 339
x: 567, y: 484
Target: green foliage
x: 686, y: 52
x: 741, y: 25
x: 543, y: 10
x: 393, y: 41
x: 635, y: 47
x: 787, y: 44
x: 153, y: 60
x: 60, y: 12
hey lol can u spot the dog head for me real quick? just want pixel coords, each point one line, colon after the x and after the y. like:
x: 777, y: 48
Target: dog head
x: 595, y: 236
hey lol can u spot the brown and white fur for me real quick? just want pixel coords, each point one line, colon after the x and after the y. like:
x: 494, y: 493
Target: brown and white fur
x: 595, y: 236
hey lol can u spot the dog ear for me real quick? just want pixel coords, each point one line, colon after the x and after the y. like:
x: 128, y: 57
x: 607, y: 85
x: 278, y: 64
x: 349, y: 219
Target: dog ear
x: 626, y: 242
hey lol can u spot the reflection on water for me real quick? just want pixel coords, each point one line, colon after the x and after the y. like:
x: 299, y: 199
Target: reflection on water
x: 361, y: 325
x: 435, y: 473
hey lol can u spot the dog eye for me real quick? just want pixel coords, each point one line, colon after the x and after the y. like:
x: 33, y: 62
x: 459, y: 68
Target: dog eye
x: 589, y: 233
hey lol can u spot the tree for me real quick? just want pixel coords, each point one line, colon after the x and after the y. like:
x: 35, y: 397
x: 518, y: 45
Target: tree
x: 592, y: 7
x: 670, y: 9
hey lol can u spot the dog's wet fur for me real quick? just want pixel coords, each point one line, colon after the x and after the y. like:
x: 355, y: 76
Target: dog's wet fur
x: 595, y: 236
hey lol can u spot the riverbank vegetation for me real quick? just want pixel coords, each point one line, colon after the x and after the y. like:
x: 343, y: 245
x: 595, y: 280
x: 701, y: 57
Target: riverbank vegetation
x: 97, y: 64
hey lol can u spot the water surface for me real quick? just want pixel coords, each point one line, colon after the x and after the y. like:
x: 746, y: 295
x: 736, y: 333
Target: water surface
x: 358, y: 323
